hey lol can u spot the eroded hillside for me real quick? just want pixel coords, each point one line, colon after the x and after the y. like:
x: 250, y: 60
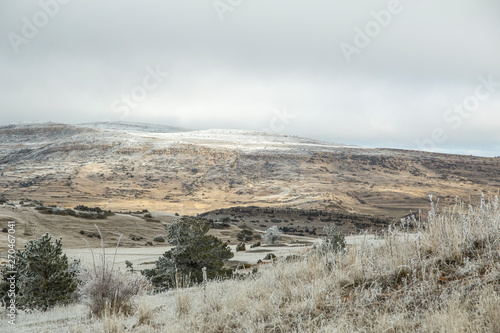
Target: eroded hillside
x: 193, y: 172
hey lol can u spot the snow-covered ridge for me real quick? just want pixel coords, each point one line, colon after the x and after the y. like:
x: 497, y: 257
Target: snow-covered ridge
x: 244, y: 140
x: 134, y: 135
x: 133, y: 127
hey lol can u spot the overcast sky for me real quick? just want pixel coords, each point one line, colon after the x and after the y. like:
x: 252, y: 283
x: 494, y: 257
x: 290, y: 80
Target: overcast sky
x: 406, y: 74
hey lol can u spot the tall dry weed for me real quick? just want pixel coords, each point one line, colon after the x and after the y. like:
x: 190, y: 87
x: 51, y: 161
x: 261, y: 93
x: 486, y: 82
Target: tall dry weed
x: 107, y: 290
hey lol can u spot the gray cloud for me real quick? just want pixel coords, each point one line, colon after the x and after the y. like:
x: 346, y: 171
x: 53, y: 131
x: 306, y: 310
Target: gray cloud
x: 264, y: 56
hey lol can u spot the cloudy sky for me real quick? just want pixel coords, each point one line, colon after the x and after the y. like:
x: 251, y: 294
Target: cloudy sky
x: 406, y: 74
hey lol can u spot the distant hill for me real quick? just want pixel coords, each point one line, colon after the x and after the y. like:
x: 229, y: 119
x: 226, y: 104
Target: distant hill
x: 133, y: 127
x: 161, y: 168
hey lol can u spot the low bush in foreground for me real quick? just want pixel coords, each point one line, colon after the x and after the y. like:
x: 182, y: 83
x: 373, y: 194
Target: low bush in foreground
x: 105, y: 289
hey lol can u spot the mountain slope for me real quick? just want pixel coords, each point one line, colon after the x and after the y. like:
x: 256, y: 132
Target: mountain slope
x: 117, y: 167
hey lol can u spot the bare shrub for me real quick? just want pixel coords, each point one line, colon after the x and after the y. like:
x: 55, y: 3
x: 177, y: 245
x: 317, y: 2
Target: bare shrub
x: 107, y: 290
x: 272, y: 235
x: 334, y: 241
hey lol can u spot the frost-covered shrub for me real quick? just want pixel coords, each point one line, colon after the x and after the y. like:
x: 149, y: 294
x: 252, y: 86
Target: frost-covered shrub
x: 272, y: 235
x: 107, y: 290
x: 334, y: 241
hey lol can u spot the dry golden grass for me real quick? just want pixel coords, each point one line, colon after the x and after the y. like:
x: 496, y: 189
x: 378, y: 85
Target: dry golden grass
x: 440, y: 275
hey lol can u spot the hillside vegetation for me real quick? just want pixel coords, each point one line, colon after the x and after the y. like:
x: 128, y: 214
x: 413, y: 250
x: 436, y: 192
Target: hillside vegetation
x: 437, y: 275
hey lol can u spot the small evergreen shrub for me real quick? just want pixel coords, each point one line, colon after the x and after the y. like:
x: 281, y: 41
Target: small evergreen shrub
x: 45, y: 277
x: 245, y: 235
x: 94, y: 234
x: 91, y: 213
x: 241, y: 247
x: 129, y: 264
x: 159, y: 239
x: 270, y: 256
x: 255, y: 245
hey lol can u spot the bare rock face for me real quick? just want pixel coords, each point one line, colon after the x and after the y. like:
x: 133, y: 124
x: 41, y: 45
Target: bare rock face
x: 136, y: 166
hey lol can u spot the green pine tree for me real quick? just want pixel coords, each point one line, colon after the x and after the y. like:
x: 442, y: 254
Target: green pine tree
x: 44, y: 275
x: 193, y: 250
